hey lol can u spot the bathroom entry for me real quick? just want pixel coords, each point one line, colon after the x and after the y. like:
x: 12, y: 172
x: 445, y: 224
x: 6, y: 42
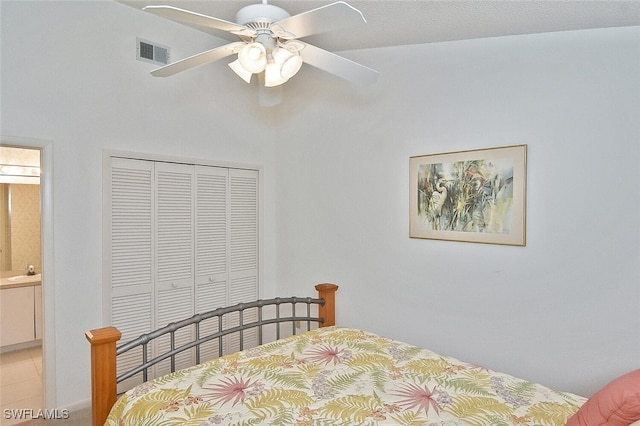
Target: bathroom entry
x: 20, y: 277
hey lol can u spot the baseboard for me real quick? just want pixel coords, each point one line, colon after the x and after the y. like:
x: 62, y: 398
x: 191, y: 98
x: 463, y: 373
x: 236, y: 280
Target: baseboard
x: 20, y: 346
x: 78, y: 406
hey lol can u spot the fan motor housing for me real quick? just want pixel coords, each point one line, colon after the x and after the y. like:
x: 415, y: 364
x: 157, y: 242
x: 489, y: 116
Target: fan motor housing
x: 260, y: 13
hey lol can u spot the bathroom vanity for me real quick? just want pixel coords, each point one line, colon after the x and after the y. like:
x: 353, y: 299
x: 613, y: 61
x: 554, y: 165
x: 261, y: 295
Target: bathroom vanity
x: 20, y: 311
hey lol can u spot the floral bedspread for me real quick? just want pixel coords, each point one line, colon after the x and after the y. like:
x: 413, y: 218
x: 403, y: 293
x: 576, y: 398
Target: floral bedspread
x: 341, y: 376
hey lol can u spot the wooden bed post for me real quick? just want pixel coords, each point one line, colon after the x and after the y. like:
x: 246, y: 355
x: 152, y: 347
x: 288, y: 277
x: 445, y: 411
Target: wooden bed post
x: 103, y: 356
x: 103, y: 372
x: 327, y: 292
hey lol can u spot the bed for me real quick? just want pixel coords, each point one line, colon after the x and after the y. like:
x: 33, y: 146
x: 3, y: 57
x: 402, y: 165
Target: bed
x: 327, y: 375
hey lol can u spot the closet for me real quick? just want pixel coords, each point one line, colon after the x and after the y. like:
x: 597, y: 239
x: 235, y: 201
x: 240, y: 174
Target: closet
x: 180, y: 239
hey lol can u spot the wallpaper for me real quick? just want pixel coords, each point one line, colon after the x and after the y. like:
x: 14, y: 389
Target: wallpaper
x: 25, y: 226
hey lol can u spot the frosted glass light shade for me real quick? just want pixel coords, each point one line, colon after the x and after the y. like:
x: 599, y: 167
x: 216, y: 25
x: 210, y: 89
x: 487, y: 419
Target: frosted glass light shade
x: 282, y: 67
x: 273, y: 76
x: 289, y: 63
x: 237, y: 67
x: 253, y: 57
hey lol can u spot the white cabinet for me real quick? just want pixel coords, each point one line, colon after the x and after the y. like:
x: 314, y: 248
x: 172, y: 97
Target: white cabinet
x: 17, y: 315
x: 37, y: 301
x: 181, y: 239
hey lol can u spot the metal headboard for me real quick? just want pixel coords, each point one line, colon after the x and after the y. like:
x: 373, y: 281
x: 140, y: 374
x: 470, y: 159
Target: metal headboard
x: 171, y: 329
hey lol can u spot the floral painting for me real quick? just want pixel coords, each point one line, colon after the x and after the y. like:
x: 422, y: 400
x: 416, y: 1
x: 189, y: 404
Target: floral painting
x: 475, y: 196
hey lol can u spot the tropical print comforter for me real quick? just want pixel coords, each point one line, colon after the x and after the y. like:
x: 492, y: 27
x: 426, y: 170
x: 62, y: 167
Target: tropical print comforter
x: 341, y: 376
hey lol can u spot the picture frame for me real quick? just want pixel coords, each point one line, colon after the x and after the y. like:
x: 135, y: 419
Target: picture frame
x: 476, y: 196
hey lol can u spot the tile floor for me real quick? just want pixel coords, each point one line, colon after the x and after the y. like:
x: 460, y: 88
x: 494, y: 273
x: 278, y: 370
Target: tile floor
x: 20, y: 382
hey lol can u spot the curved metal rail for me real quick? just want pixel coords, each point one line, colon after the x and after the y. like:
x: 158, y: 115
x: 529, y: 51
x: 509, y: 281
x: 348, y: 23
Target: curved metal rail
x: 145, y: 339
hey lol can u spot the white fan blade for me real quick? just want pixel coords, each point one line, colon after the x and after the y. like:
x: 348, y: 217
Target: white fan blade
x: 337, y: 65
x: 187, y: 17
x: 331, y: 17
x: 197, y: 60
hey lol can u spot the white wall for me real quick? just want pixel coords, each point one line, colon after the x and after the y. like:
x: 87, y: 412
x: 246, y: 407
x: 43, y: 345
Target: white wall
x: 564, y: 310
x: 70, y: 76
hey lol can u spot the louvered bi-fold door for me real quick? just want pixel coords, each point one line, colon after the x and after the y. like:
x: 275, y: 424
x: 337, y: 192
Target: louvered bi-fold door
x: 131, y: 268
x: 243, y: 246
x: 182, y: 239
x: 212, y: 251
x: 174, y: 253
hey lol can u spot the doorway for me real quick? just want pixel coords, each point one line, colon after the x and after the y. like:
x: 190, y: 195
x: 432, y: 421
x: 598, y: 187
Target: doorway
x: 47, y: 248
x: 21, y: 278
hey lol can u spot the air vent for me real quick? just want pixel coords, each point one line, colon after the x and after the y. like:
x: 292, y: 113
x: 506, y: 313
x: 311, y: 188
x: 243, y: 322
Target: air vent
x: 149, y: 51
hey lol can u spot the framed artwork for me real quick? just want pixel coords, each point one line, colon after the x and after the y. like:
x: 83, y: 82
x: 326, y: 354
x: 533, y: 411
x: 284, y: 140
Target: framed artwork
x: 474, y: 196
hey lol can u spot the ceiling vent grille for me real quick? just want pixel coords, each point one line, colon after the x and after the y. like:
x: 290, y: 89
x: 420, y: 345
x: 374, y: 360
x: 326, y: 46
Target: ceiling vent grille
x: 149, y: 51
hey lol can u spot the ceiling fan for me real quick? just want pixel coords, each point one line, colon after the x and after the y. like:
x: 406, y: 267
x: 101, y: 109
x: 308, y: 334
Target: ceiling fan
x: 269, y: 44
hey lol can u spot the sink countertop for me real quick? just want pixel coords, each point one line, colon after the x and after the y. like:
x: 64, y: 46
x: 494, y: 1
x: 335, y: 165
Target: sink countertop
x: 21, y: 281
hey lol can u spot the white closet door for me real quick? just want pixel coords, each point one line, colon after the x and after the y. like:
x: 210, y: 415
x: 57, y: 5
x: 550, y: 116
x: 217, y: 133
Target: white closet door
x: 181, y: 239
x: 243, y: 261
x: 212, y: 251
x: 174, y: 255
x: 131, y: 239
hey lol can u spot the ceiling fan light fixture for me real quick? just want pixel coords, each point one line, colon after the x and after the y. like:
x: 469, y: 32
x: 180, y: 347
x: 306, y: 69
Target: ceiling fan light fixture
x: 269, y: 45
x: 253, y: 57
x: 237, y: 67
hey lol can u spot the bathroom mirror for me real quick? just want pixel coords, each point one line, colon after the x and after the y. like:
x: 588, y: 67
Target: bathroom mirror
x: 19, y: 210
x: 21, y: 224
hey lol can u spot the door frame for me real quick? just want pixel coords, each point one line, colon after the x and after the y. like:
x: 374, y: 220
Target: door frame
x: 47, y: 246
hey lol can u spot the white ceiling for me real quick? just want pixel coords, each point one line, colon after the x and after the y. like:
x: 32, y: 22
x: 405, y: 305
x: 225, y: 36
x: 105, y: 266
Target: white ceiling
x: 401, y: 22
